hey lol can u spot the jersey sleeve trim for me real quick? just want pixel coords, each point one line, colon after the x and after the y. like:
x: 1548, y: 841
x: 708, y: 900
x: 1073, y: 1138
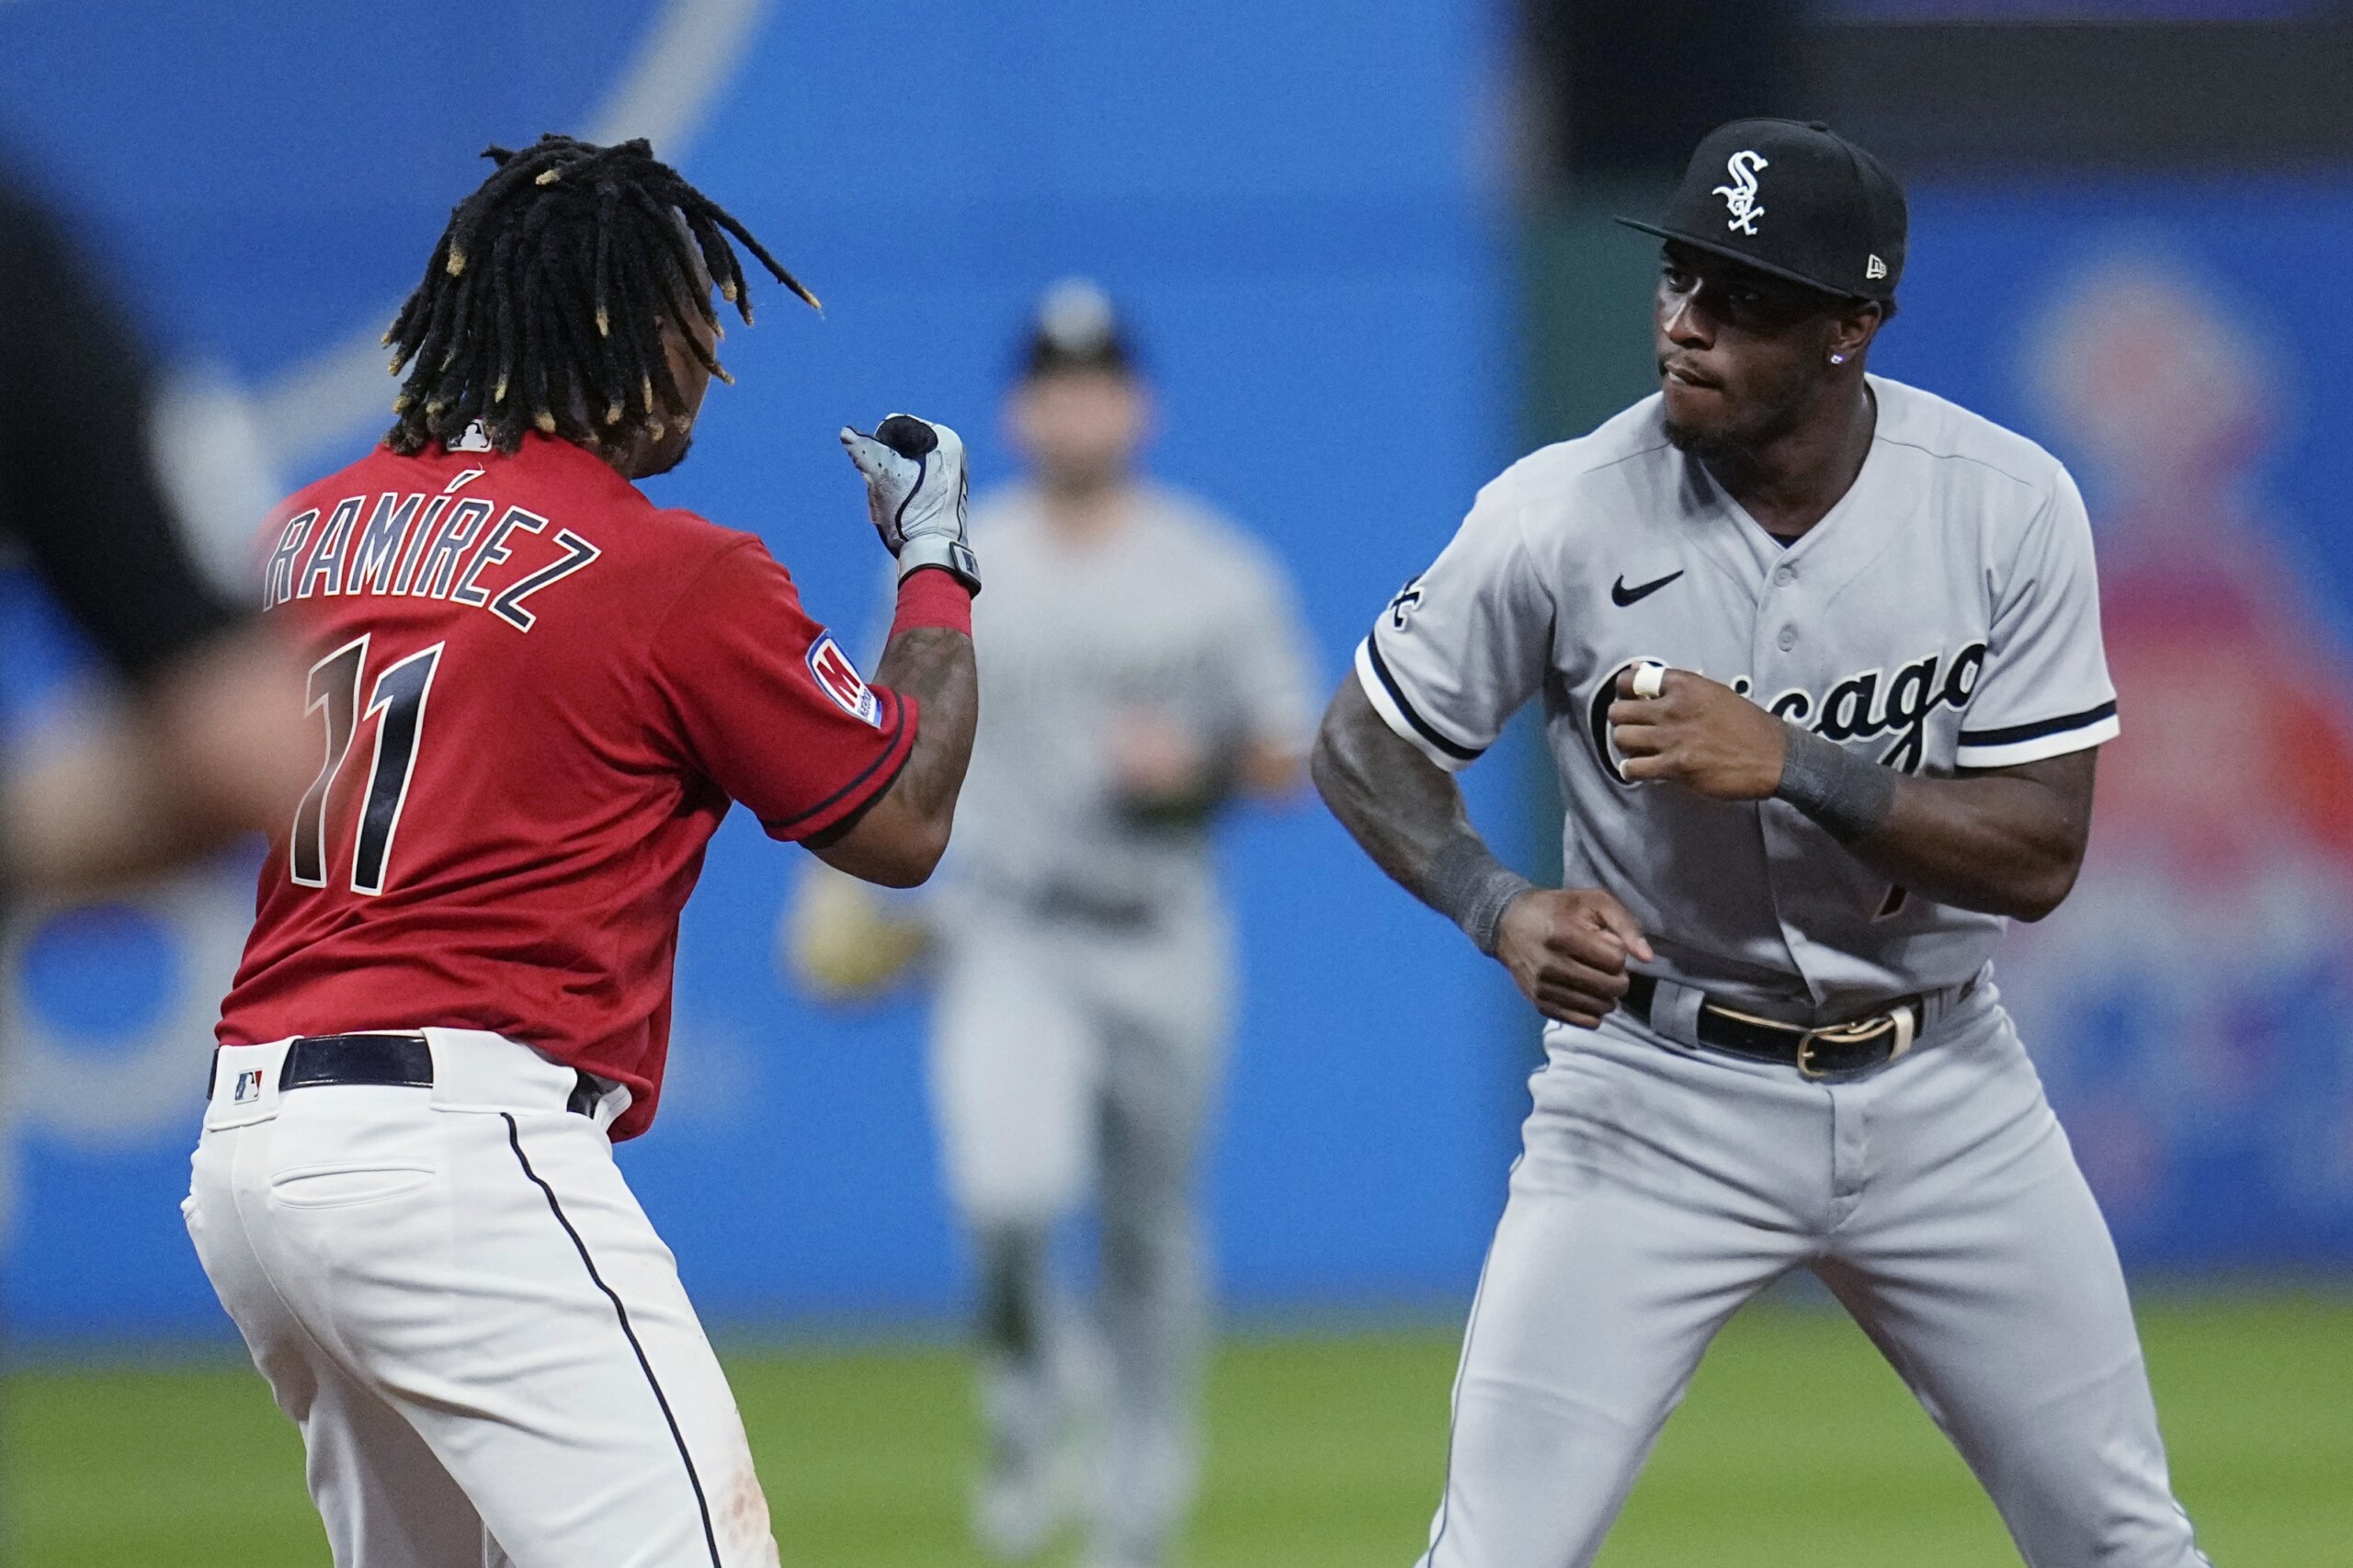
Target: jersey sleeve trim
x: 2015, y: 744
x: 1390, y: 701
x: 902, y: 716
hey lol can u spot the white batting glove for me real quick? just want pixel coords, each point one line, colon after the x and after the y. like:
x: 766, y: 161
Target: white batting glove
x: 914, y: 492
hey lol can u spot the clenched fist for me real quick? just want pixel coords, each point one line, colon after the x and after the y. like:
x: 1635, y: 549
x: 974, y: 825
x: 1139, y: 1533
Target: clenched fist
x: 1567, y: 949
x: 915, y: 493
x: 1704, y: 736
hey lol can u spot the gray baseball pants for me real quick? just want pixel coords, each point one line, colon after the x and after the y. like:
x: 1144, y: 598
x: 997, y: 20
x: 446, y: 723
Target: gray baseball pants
x: 1662, y: 1186
x: 1073, y: 1066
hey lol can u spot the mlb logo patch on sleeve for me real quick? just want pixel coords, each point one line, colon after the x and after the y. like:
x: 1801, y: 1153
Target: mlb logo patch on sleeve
x: 839, y: 679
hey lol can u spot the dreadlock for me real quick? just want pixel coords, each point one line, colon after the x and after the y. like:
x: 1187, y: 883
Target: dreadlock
x: 542, y: 305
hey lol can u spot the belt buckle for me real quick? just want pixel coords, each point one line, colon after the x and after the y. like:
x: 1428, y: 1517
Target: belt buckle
x: 1900, y: 1019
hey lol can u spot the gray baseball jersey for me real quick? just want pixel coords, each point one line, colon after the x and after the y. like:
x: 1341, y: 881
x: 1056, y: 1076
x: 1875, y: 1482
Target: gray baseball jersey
x: 1083, y: 976
x: 1180, y: 614
x: 1942, y: 616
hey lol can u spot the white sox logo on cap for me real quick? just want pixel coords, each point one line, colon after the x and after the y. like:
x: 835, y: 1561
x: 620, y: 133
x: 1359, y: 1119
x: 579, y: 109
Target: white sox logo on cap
x: 1740, y: 197
x: 1834, y: 207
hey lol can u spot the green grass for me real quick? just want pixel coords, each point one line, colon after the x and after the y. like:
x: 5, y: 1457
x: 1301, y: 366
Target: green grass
x: 1796, y: 1446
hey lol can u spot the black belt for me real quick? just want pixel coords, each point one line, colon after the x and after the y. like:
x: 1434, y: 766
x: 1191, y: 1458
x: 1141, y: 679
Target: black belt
x: 1078, y: 906
x: 1831, y: 1051
x: 389, y: 1061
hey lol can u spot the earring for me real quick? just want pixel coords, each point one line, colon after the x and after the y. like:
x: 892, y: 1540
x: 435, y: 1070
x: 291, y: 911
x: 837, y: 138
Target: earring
x: 1837, y: 358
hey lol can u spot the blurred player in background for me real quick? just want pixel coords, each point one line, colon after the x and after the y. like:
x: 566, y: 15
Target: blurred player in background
x: 1145, y: 668
x: 205, y: 747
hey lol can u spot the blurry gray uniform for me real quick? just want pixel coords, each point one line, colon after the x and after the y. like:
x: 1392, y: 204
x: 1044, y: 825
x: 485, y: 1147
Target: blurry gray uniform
x: 1944, y: 615
x: 1083, y: 993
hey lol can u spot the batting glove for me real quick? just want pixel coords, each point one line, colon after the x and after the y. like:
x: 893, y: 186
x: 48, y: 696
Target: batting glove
x: 914, y: 491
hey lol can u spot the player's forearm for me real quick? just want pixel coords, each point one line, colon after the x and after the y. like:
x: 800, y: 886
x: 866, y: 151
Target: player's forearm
x: 1403, y: 809
x: 934, y: 666
x: 915, y: 490
x: 2007, y: 843
x: 1408, y: 815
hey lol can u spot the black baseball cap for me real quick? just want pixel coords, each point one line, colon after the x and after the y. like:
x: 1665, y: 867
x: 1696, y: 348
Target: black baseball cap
x: 1074, y: 327
x: 1793, y: 198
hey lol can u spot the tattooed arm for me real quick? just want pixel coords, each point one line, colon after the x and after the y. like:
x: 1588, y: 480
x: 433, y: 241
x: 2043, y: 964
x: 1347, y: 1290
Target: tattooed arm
x: 1567, y: 948
x: 899, y: 838
x: 2007, y: 841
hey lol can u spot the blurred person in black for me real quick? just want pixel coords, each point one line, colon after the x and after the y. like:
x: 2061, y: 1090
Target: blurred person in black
x: 208, y: 743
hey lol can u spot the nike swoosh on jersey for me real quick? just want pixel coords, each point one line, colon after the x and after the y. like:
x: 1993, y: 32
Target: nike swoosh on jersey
x: 1622, y: 596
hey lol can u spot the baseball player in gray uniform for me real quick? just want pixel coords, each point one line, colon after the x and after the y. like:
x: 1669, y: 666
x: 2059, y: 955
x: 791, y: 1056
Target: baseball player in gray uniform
x: 1819, y: 655
x: 1145, y: 667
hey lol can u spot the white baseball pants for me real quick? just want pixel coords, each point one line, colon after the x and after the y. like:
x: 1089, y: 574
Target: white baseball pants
x: 454, y: 1295
x: 1662, y: 1186
x: 1069, y: 1064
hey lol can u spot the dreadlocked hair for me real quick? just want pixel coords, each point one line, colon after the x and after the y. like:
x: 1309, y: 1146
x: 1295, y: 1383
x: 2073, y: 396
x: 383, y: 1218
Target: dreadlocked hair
x: 542, y: 306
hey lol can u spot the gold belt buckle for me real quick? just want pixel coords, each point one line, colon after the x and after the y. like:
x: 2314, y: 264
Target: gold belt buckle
x: 1902, y: 1019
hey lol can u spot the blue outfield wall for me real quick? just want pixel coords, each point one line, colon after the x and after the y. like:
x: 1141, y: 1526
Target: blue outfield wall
x: 1290, y: 201
x: 2189, y: 1005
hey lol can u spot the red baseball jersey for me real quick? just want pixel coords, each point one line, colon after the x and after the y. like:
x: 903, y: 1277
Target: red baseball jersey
x: 537, y: 693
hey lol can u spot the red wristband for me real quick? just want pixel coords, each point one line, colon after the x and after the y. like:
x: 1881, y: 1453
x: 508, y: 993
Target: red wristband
x: 930, y: 596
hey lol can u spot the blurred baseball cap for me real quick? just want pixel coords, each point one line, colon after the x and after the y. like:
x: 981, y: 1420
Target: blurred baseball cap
x: 1074, y: 327
x: 1793, y: 198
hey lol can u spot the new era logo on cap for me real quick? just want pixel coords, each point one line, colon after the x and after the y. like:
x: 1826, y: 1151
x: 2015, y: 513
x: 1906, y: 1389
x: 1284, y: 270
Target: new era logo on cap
x: 1877, y: 268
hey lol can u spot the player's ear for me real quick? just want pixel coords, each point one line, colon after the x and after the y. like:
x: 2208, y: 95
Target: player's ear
x: 1852, y: 329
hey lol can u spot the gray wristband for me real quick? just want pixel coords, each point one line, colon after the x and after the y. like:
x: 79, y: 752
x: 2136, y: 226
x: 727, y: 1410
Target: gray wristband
x: 1471, y: 887
x: 1846, y: 795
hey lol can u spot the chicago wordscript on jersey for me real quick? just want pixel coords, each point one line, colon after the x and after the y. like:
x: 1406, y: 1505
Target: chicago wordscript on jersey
x: 1855, y: 709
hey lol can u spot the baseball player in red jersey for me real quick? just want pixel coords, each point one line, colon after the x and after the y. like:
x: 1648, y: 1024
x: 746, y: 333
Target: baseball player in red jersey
x: 538, y: 694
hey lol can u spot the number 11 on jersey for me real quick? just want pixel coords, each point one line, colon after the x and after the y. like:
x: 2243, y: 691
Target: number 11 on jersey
x: 397, y: 703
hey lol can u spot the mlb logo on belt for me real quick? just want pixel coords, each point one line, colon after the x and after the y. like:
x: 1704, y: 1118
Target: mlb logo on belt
x: 247, y: 1089
x: 839, y: 679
